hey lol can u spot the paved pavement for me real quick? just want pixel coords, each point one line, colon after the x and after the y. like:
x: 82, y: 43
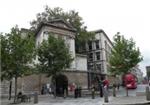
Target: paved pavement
x: 131, y: 100
x: 119, y: 100
x: 131, y: 92
x: 49, y: 100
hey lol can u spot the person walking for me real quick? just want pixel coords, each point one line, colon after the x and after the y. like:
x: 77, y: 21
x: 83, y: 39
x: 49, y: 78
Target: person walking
x: 106, y: 83
x: 101, y: 88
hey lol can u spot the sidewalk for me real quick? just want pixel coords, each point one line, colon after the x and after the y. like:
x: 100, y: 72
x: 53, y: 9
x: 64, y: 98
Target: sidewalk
x: 49, y: 100
x: 131, y: 100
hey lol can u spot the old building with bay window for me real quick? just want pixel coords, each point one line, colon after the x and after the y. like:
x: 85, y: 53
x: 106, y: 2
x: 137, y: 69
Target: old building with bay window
x: 98, y: 51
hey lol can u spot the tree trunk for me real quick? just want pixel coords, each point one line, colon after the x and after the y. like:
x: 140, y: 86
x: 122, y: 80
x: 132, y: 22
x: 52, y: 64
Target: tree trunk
x: 10, y: 88
x: 15, y: 90
x: 114, y: 90
x: 55, y: 88
x: 127, y: 92
x: 40, y: 77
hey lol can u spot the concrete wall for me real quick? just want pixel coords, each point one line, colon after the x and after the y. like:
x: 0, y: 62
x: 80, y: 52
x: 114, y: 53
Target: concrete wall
x: 81, y: 62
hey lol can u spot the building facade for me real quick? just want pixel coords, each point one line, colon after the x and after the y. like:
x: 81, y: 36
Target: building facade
x: 98, y: 51
x: 84, y: 70
x: 148, y: 72
x: 138, y: 73
x: 75, y: 74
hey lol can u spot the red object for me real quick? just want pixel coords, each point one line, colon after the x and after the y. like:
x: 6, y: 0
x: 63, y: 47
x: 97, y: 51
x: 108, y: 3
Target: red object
x: 130, y: 81
x: 71, y: 87
x: 106, y: 82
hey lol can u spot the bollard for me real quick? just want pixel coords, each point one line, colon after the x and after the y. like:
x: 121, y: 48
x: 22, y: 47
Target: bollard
x: 127, y: 94
x: 79, y: 91
x: 147, y: 94
x: 35, y: 98
x: 75, y: 93
x: 114, y: 91
x: 93, y: 94
x: 65, y: 93
x: 105, y: 94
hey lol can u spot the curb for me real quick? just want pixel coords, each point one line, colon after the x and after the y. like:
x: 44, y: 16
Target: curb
x: 145, y: 103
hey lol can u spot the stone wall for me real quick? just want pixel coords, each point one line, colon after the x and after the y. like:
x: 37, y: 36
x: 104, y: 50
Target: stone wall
x: 79, y: 78
x: 4, y: 88
x: 34, y: 83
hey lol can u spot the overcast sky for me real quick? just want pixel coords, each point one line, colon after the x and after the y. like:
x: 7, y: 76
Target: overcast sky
x: 129, y: 17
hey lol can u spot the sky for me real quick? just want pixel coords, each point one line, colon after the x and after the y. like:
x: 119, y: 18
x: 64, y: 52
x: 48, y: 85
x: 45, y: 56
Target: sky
x: 129, y: 17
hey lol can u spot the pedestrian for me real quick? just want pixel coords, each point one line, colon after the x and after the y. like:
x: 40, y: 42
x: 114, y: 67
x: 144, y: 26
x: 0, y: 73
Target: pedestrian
x: 106, y: 83
x: 48, y: 88
x: 101, y: 88
x: 42, y: 90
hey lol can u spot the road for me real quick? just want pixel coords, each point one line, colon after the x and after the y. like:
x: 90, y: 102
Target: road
x: 131, y: 92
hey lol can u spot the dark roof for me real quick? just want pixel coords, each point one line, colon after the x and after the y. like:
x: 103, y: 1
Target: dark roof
x: 102, y: 31
x: 61, y: 20
x: 52, y: 24
x: 25, y: 30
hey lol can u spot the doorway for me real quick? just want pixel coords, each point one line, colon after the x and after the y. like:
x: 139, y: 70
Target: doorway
x: 61, y: 84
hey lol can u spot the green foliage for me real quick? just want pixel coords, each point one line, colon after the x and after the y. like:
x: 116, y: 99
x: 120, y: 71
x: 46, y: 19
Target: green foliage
x: 53, y: 56
x: 72, y: 17
x: 5, y: 58
x: 124, y: 55
x: 16, y: 54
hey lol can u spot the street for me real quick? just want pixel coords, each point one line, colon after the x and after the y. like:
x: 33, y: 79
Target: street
x: 131, y: 92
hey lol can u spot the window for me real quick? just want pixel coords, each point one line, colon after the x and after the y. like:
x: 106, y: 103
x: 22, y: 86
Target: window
x: 97, y: 55
x: 107, y: 56
x: 97, y: 44
x: 90, y: 56
x: 98, y: 67
x: 90, y: 45
x: 106, y: 45
x: 90, y: 67
x: 60, y: 37
x: 45, y: 35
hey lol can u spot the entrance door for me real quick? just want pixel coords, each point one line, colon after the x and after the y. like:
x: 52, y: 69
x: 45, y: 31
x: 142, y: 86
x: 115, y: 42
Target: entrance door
x: 61, y: 84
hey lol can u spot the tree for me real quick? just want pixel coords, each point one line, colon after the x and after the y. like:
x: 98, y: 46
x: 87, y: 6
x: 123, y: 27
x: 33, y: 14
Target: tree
x: 5, y: 65
x: 72, y: 17
x: 5, y: 57
x: 124, y: 56
x: 17, y: 53
x: 53, y: 56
